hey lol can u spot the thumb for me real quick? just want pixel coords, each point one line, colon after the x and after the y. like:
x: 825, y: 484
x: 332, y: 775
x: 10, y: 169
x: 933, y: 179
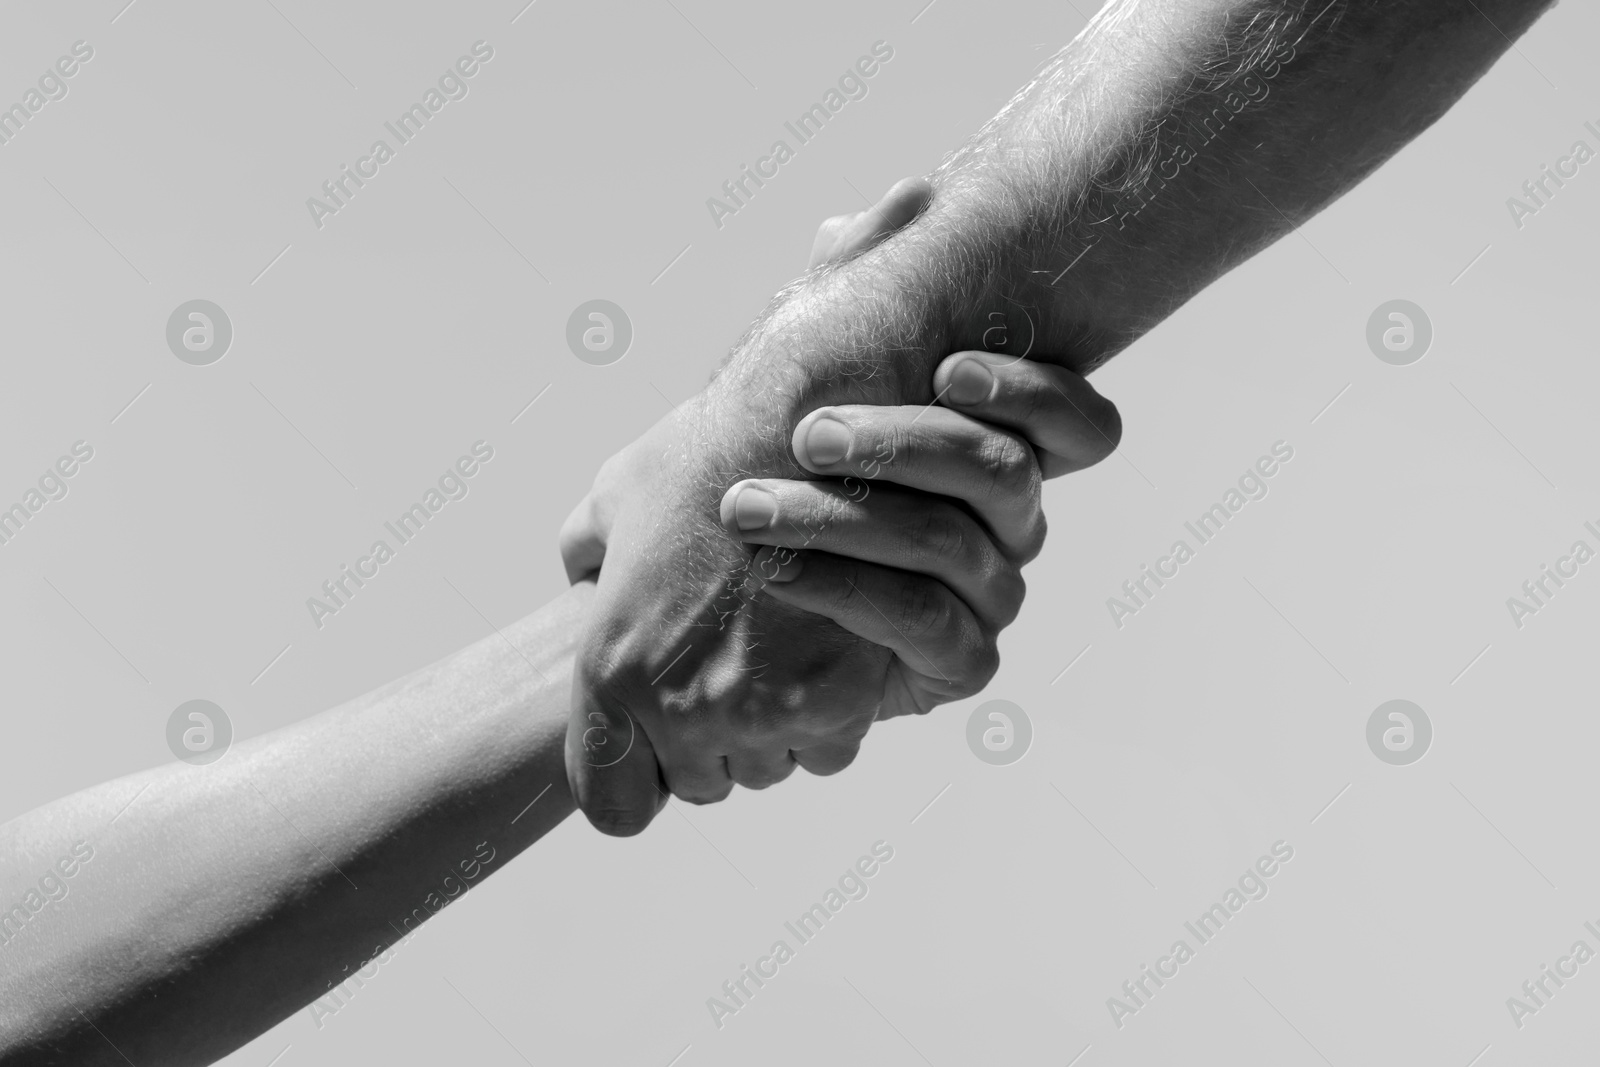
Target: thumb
x: 611, y: 764
x: 583, y: 541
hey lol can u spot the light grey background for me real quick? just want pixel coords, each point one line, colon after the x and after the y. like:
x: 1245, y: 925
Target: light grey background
x: 1224, y: 717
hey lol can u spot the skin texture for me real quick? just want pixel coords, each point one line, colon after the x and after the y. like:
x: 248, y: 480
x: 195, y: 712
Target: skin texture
x: 1169, y: 142
x: 176, y: 944
x: 936, y: 638
x: 206, y: 904
x: 263, y: 933
x: 1122, y: 181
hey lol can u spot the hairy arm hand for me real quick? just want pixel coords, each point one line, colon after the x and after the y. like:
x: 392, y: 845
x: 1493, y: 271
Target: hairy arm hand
x: 1174, y: 139
x: 173, y: 915
x: 1170, y: 141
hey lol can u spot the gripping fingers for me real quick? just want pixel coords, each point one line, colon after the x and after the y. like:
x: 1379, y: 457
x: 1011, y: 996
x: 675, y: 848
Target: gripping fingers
x: 611, y: 768
x: 918, y: 618
x: 759, y: 768
x: 1053, y: 408
x: 698, y: 777
x: 885, y: 525
x: 935, y: 450
x: 829, y: 758
x: 846, y: 235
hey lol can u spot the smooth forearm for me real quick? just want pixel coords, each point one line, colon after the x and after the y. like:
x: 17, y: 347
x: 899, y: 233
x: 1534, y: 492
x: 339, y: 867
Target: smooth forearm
x: 221, y: 899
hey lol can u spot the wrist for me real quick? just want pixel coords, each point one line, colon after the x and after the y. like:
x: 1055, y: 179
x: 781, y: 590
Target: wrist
x: 867, y: 331
x: 1020, y: 272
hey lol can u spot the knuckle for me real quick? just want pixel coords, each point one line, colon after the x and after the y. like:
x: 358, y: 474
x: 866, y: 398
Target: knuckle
x: 1032, y: 542
x: 1009, y: 466
x: 1010, y: 589
x: 978, y: 664
x: 988, y: 660
x: 746, y: 726
x: 809, y: 513
x: 597, y: 667
x: 842, y: 591
x: 1034, y: 400
x: 923, y: 610
x: 698, y: 733
x: 832, y: 719
x: 880, y: 442
x: 938, y: 536
x: 611, y: 676
x: 836, y: 719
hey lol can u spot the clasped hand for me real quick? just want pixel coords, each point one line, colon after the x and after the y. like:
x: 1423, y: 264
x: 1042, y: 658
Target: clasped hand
x: 745, y: 625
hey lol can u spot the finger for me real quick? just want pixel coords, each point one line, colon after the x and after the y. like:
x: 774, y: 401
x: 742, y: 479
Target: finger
x: 699, y: 777
x: 611, y: 766
x: 933, y: 449
x: 847, y: 235
x: 899, y: 205
x: 825, y: 247
x: 883, y: 524
x: 830, y: 757
x: 917, y: 618
x: 1053, y: 408
x: 620, y: 775
x: 759, y: 768
x: 583, y: 543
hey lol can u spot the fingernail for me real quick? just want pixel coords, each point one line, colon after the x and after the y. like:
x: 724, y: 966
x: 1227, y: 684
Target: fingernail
x: 754, y: 509
x: 971, y: 382
x: 827, y: 442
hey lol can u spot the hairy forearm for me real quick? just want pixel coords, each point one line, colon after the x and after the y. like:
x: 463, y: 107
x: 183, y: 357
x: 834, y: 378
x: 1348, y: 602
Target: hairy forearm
x: 218, y: 900
x: 1176, y: 138
x: 1170, y: 141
